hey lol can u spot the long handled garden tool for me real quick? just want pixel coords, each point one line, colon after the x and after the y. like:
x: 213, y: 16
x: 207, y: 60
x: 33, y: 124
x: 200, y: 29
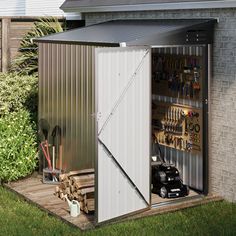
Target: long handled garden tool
x: 43, y: 135
x: 56, y: 135
x: 45, y: 149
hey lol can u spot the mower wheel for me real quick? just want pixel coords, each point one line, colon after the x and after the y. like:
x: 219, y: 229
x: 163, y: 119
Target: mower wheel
x: 163, y: 192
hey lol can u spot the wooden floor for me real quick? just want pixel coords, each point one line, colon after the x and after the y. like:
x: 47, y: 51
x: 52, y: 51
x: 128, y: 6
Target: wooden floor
x: 156, y: 199
x: 34, y: 191
x: 43, y: 196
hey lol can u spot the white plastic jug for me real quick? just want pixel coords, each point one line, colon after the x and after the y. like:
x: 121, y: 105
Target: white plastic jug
x: 74, y: 207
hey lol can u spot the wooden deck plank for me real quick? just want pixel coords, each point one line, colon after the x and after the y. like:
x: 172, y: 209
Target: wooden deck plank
x: 34, y: 191
x: 21, y: 183
x: 157, y: 199
x: 43, y: 196
x: 37, y: 188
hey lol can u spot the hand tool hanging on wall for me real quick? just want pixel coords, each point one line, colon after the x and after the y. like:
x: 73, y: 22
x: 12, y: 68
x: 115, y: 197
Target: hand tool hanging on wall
x: 186, y: 126
x: 196, y: 84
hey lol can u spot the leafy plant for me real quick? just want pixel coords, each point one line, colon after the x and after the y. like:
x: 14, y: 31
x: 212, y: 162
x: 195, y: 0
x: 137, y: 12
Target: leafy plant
x: 26, y: 62
x: 18, y: 145
x: 17, y: 92
x: 18, y: 113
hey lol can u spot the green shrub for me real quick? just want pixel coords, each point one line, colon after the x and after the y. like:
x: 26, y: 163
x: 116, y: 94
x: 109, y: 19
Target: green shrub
x: 18, y: 115
x: 17, y: 92
x: 18, y: 145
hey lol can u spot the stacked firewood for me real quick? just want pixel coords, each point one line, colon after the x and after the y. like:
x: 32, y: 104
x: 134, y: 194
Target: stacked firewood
x: 78, y: 185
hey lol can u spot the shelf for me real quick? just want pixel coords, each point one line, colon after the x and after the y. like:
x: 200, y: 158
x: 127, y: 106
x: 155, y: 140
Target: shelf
x: 178, y: 101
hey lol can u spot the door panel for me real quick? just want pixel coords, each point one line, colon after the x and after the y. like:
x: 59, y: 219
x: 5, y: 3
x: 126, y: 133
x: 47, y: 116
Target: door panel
x: 123, y: 106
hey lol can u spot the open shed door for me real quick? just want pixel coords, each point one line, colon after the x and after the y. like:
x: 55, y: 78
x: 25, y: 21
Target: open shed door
x: 123, y: 131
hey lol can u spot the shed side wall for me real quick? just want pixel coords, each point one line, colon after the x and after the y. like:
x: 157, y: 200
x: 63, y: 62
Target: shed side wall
x: 66, y: 98
x: 222, y: 134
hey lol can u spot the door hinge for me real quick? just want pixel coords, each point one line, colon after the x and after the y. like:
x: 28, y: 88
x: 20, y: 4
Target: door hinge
x: 97, y: 115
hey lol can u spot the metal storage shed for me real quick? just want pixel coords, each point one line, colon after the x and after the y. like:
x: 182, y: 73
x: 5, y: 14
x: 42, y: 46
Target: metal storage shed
x: 95, y: 83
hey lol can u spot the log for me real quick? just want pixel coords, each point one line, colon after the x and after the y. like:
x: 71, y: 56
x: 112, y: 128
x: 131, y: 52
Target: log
x: 64, y: 185
x: 86, y: 209
x: 62, y: 195
x: 82, y: 179
x: 77, y: 197
x: 81, y: 186
x: 78, y: 185
x: 81, y: 206
x: 72, y: 188
x: 68, y: 191
x: 87, y: 190
x: 62, y: 177
x: 65, y: 176
x: 57, y: 189
x: 79, y: 172
x: 90, y: 204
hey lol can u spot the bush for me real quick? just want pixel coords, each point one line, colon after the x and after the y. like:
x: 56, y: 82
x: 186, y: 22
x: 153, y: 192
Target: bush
x: 18, y: 115
x: 17, y: 92
x: 18, y: 145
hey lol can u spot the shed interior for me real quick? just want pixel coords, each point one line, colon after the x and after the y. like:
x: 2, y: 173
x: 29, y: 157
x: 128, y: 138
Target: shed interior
x: 178, y: 80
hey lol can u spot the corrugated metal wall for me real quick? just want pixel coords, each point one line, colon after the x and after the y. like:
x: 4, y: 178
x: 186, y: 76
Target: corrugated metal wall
x: 66, y: 98
x: 190, y: 166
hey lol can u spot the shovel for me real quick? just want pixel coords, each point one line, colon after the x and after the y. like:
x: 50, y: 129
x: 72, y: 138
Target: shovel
x: 43, y: 136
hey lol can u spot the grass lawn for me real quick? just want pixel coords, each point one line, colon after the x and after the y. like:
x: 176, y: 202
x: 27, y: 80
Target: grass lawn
x: 17, y: 217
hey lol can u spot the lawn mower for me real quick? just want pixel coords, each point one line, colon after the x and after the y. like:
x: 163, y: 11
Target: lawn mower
x: 166, y: 179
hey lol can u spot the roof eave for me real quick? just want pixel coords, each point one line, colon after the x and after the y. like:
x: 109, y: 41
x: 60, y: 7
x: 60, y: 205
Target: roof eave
x: 151, y: 7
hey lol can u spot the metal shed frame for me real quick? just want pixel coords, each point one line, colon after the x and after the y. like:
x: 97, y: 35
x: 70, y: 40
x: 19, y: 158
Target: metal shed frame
x: 186, y: 35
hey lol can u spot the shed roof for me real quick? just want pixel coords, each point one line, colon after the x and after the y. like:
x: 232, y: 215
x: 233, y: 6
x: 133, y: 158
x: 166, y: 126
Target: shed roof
x: 138, y: 5
x: 93, y: 3
x: 129, y: 32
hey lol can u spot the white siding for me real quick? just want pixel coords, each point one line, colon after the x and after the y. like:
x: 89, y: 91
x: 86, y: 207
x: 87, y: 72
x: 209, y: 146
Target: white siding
x: 31, y: 8
x: 12, y: 7
x: 44, y: 7
x: 123, y: 83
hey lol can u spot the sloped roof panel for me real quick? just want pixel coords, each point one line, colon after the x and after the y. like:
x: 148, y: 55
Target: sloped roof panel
x: 126, y: 32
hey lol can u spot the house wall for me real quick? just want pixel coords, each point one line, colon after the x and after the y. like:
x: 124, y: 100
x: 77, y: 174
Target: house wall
x: 44, y: 8
x: 222, y: 148
x: 31, y: 8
